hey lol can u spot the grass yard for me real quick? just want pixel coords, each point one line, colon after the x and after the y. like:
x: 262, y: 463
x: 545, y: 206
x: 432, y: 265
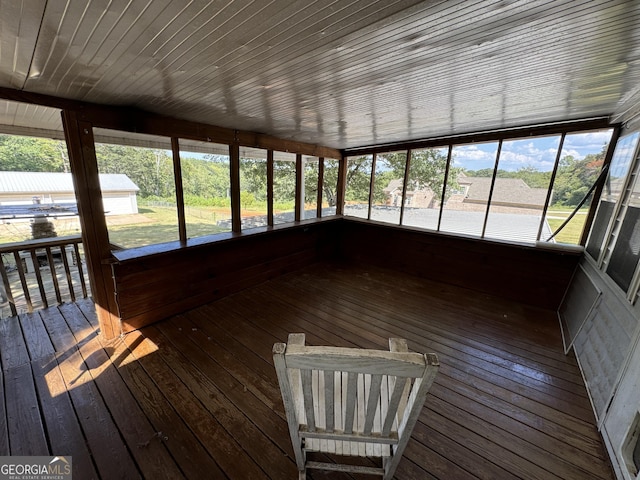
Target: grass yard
x: 155, y: 224
x: 572, y: 231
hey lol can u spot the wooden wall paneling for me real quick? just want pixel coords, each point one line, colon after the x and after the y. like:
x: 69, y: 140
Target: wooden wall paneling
x: 153, y: 287
x: 527, y: 274
x: 95, y: 237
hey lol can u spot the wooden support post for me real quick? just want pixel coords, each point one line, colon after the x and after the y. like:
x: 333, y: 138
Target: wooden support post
x: 299, y: 206
x: 177, y: 176
x: 236, y: 215
x: 95, y: 237
x: 270, y: 188
x: 342, y: 185
x: 320, y: 187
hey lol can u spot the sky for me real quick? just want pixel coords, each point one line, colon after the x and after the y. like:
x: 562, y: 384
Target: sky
x: 538, y: 152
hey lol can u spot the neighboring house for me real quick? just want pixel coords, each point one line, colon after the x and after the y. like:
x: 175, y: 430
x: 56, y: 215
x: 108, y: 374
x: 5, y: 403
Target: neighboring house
x: 472, y: 194
x: 27, y: 188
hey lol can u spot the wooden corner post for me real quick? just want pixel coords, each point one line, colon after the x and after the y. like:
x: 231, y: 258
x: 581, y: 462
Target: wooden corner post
x: 95, y: 237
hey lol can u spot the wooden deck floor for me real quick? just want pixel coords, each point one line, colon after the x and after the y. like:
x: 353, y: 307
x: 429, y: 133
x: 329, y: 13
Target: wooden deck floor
x: 196, y: 396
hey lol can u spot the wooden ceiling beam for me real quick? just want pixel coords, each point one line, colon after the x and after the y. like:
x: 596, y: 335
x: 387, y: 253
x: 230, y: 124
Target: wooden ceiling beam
x: 132, y: 119
x: 488, y: 136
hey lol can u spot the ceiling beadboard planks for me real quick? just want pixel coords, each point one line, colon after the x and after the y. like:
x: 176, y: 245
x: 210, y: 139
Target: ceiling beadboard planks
x: 339, y: 73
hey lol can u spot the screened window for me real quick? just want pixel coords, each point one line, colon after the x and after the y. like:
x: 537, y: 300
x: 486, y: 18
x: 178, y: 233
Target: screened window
x: 626, y: 251
x: 358, y: 186
x: 143, y: 164
x: 468, y: 187
x: 205, y: 187
x: 519, y: 189
x: 311, y: 168
x: 388, y: 187
x: 578, y: 171
x: 330, y: 186
x: 284, y: 187
x: 611, y: 194
x: 253, y: 188
x: 425, y: 181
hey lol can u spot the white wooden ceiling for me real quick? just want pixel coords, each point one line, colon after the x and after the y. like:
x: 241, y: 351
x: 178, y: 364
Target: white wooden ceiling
x: 340, y: 73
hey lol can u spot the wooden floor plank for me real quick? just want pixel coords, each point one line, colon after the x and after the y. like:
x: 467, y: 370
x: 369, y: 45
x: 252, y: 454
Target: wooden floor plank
x: 207, y: 384
x: 506, y: 404
x: 152, y: 457
x: 185, y: 448
x: 24, y: 423
x: 4, y: 427
x: 111, y: 456
x: 226, y: 450
x: 63, y: 429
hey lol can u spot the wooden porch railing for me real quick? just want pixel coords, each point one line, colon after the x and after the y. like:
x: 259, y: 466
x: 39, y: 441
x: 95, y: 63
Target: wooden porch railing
x: 38, y: 273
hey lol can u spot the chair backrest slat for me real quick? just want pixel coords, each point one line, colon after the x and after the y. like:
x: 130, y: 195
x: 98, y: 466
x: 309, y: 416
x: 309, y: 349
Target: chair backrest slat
x: 394, y: 403
x: 373, y: 403
x: 307, y: 392
x: 329, y: 400
x: 350, y: 410
x: 404, y: 364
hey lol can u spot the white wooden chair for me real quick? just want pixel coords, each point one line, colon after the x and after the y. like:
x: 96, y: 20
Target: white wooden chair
x: 350, y: 401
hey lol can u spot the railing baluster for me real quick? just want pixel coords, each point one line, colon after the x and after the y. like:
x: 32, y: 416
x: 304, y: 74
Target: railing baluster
x: 63, y: 252
x: 7, y: 288
x: 80, y: 270
x: 54, y: 276
x: 28, y: 256
x: 23, y: 281
x: 36, y: 270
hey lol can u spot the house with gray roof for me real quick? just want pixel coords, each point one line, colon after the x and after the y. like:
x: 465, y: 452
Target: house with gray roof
x: 509, y: 194
x: 51, y: 188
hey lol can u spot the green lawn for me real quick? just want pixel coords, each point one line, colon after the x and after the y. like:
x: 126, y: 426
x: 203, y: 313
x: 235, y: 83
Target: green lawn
x: 155, y: 224
x: 572, y: 231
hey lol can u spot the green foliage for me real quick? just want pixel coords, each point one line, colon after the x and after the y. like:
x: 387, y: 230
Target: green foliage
x: 205, y: 178
x: 358, y: 178
x: 247, y: 199
x: 150, y: 169
x: 253, y: 176
x: 29, y: 154
x: 575, y: 177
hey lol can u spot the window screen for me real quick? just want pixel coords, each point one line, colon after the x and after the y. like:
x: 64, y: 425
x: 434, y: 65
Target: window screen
x: 626, y: 253
x: 599, y: 228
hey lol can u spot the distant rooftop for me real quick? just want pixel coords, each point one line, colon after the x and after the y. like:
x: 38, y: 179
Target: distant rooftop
x: 41, y: 182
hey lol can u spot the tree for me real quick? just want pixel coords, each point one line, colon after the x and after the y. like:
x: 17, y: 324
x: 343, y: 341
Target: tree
x: 30, y: 154
x: 575, y: 177
x: 358, y: 178
x: 150, y: 169
x: 427, y: 169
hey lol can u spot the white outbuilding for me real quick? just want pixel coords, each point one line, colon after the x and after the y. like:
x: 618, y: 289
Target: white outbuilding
x: 47, y: 188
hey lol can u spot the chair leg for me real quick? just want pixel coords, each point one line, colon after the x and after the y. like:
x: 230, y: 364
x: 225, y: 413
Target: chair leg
x: 302, y: 475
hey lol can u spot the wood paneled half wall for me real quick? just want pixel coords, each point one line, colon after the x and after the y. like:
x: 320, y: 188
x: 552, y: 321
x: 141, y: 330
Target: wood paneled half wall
x: 155, y: 282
